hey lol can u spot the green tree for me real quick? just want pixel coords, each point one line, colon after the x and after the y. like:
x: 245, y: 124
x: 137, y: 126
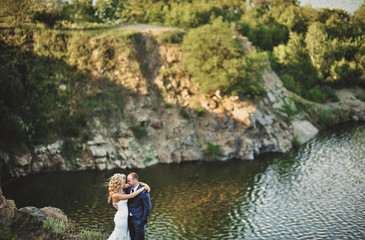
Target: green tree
x: 18, y: 9
x: 48, y: 12
x: 216, y: 60
x: 80, y: 11
x: 294, y: 60
x: 295, y: 18
x: 108, y: 10
x: 359, y: 19
x: 319, y: 47
x: 337, y: 23
x: 262, y: 29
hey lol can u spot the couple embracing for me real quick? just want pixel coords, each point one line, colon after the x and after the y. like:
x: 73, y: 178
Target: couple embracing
x: 132, y: 199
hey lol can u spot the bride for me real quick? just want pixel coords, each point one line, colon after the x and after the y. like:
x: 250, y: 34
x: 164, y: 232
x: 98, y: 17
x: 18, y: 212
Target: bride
x: 116, y: 185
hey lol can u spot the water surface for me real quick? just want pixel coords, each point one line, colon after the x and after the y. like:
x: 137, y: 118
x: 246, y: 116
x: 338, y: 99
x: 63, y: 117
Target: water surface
x: 316, y: 192
x: 348, y: 5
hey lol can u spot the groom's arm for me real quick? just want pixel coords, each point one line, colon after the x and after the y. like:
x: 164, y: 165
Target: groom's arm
x: 146, y: 206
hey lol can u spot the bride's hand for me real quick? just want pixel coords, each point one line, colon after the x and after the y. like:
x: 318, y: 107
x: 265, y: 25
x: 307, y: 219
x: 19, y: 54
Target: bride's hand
x: 147, y: 188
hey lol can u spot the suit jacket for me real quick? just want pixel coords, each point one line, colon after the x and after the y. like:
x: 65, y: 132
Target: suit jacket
x: 140, y: 206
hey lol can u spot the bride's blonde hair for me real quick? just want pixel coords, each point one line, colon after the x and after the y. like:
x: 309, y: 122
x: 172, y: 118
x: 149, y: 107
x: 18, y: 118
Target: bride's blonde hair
x: 116, y: 183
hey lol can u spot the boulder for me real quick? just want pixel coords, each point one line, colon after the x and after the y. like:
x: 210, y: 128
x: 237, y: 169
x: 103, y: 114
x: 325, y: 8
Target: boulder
x: 304, y: 130
x: 7, y: 209
x: 242, y: 115
x: 33, y: 213
x: 55, y: 147
x: 37, y: 166
x: 164, y: 156
x: 23, y: 161
x: 54, y: 213
x: 123, y: 142
x: 101, y: 164
x: 97, y: 151
x: 58, y: 162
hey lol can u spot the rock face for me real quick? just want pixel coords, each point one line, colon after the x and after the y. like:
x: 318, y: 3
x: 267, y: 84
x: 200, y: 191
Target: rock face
x: 167, y: 121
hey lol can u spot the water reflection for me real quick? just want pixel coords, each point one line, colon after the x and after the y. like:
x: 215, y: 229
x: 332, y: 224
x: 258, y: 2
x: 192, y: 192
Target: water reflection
x: 315, y: 192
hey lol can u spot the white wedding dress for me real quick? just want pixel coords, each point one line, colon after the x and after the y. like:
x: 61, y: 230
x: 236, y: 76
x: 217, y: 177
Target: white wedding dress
x: 121, y: 231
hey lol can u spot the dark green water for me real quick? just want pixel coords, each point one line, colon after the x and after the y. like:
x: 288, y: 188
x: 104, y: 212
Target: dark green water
x: 316, y: 192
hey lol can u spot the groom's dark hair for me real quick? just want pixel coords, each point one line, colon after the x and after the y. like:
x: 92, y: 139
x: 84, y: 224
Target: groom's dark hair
x: 134, y: 175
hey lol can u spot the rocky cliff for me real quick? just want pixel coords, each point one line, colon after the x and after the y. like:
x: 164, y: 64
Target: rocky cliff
x: 165, y: 120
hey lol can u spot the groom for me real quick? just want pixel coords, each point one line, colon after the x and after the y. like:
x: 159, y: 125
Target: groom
x: 139, y: 208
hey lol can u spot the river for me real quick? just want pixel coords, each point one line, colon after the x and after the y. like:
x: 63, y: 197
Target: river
x: 315, y: 192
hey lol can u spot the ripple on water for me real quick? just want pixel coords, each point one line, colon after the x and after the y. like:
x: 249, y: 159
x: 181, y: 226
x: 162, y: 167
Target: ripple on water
x: 316, y: 192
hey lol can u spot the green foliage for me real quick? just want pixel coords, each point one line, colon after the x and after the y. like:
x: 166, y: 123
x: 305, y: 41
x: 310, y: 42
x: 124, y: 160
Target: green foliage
x: 359, y: 19
x: 303, y: 106
x: 294, y: 60
x: 43, y: 77
x: 341, y: 115
x: 147, y: 156
x: 168, y: 105
x: 108, y: 9
x: 80, y: 11
x: 46, y: 16
x: 326, y: 116
x: 262, y: 29
x: 68, y: 151
x: 289, y: 108
x: 183, y: 113
x: 291, y: 84
x: 295, y: 18
x: 139, y: 131
x: 172, y: 36
x: 360, y: 96
x: 318, y: 47
x: 344, y: 73
x: 57, y: 227
x: 199, y: 110
x: 337, y: 23
x: 316, y: 95
x: 6, y: 232
x: 19, y: 10
x: 296, y: 143
x: 216, y: 61
x: 89, y: 234
x: 212, y: 150
x: 107, y: 102
x: 27, y: 91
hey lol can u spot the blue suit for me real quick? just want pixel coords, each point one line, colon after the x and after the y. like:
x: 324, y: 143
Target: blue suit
x: 140, y: 207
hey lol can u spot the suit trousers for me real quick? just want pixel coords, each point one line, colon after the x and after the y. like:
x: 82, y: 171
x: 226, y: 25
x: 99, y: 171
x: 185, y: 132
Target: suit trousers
x: 136, y: 228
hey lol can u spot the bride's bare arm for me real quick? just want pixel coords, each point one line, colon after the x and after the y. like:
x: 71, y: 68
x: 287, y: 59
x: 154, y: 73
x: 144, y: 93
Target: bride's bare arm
x: 142, y: 184
x: 119, y: 196
x: 146, y: 186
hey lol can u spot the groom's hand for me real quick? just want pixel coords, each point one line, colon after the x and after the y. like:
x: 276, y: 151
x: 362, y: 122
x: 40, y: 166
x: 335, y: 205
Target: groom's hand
x: 115, y: 205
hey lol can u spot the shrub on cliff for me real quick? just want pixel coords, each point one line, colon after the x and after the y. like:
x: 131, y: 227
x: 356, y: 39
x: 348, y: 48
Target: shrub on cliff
x: 216, y: 60
x: 212, y: 151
